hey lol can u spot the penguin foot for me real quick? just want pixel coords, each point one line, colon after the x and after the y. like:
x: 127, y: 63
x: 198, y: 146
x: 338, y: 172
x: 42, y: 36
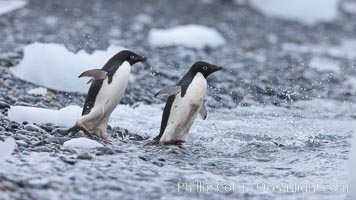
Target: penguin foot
x: 86, y: 131
x: 179, y: 143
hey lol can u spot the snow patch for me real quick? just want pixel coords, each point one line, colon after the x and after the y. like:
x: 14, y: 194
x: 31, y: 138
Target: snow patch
x: 65, y: 117
x: 325, y: 64
x: 55, y: 67
x: 6, y: 148
x: 7, y: 6
x: 40, y: 91
x: 81, y: 143
x: 190, y: 36
x: 305, y: 11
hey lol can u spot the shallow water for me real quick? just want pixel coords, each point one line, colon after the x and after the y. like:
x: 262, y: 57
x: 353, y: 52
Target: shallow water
x: 235, y: 153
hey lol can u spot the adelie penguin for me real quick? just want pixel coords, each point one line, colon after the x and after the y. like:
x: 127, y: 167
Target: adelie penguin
x: 185, y: 101
x: 106, y: 90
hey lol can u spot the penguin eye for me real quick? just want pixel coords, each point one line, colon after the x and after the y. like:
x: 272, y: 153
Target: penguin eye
x: 132, y: 57
x: 205, y: 67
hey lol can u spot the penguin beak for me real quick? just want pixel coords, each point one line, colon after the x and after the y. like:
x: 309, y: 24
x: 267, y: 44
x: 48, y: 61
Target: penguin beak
x: 217, y: 68
x: 142, y: 59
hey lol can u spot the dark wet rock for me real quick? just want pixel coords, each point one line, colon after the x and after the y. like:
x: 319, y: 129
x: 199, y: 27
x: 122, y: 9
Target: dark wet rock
x: 4, y: 105
x: 85, y: 156
x: 106, y: 150
x: 136, y: 137
x: 143, y: 158
x: 42, y: 149
x: 67, y: 160
x: 32, y: 127
x: 22, y: 143
x: 58, y: 131
x: 159, y: 164
x: 57, y: 140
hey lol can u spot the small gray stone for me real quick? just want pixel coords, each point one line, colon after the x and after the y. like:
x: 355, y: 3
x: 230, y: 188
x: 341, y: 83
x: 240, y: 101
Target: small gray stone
x: 4, y: 105
x: 58, y: 131
x: 32, y: 127
x: 42, y: 149
x: 57, y: 140
x: 70, y: 161
x: 84, y: 156
x: 106, y: 150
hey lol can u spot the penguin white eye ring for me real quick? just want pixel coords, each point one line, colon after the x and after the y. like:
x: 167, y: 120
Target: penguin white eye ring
x: 185, y: 101
x: 108, y: 85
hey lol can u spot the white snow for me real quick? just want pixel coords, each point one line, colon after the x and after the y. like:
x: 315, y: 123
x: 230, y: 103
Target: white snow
x: 65, y: 117
x: 6, y: 148
x: 55, y: 67
x: 81, y: 143
x: 190, y: 36
x: 308, y: 12
x: 325, y: 64
x: 344, y: 50
x: 7, y: 6
x: 40, y: 91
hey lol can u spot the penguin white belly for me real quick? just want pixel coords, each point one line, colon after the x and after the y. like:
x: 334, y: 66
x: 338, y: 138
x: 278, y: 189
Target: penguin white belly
x: 108, y: 97
x: 184, y: 110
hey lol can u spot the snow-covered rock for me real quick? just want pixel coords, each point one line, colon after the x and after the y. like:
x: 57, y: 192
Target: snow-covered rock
x: 40, y: 91
x: 7, y: 6
x: 6, y: 148
x: 191, y: 36
x: 55, y: 67
x: 65, y: 117
x: 305, y: 11
x: 81, y: 143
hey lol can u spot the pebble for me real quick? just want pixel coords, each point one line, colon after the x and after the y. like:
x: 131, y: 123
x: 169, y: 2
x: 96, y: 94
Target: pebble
x: 57, y: 140
x: 159, y: 164
x: 106, y: 150
x: 4, y: 105
x: 84, y: 156
x: 58, y: 131
x: 32, y: 127
x: 42, y: 149
x: 143, y: 158
x: 70, y: 161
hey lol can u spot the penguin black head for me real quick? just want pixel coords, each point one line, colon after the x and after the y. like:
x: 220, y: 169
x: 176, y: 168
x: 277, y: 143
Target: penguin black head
x: 130, y: 57
x: 205, y: 68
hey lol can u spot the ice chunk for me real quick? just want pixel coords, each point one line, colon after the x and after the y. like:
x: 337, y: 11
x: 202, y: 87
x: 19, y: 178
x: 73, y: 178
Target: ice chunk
x: 305, y: 11
x: 81, y: 143
x: 40, y: 91
x: 7, y: 6
x: 6, y: 148
x: 65, y: 117
x: 191, y: 36
x: 55, y: 67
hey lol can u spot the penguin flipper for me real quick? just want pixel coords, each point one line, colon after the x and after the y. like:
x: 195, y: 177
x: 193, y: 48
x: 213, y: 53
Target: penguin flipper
x: 94, y: 73
x: 203, y: 112
x: 170, y: 90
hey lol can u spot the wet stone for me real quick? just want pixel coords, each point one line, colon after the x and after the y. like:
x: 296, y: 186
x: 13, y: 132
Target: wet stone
x: 70, y: 161
x: 42, y: 149
x: 57, y: 140
x: 4, y: 105
x: 106, y: 150
x: 32, y: 127
x: 84, y: 156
